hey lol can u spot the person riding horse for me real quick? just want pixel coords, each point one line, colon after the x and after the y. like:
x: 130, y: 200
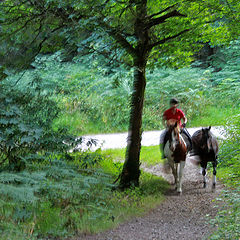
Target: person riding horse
x: 170, y: 117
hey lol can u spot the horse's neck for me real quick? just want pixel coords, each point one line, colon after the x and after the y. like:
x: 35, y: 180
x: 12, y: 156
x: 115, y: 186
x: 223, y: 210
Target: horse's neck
x: 182, y: 139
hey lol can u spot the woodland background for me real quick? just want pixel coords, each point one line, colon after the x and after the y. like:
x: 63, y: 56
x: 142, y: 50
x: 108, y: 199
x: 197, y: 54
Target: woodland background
x: 66, y: 91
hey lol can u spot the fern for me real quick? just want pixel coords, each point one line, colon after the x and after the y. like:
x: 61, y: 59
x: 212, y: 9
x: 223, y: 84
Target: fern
x: 19, y: 193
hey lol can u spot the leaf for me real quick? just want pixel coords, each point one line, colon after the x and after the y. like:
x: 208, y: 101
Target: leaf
x: 4, y: 121
x: 27, y: 139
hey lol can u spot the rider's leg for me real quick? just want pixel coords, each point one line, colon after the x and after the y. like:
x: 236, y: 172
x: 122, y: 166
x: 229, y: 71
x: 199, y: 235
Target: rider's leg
x: 163, y: 140
x: 184, y: 131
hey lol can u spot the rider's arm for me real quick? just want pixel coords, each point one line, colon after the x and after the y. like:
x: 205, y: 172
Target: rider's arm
x: 164, y: 121
x: 184, y: 121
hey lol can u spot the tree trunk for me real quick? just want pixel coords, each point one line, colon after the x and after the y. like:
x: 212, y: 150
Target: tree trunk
x: 131, y: 168
x: 131, y: 172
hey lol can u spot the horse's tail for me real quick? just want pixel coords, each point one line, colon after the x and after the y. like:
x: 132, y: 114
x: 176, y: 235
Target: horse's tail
x: 194, y: 159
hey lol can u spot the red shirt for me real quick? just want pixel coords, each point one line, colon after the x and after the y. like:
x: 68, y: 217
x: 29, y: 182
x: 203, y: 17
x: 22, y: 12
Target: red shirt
x: 168, y: 114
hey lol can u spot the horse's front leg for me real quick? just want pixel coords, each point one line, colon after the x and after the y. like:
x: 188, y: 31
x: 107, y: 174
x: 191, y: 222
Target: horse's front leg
x: 180, y: 174
x: 174, y: 171
x: 175, y: 174
x: 214, y: 174
x: 204, y: 173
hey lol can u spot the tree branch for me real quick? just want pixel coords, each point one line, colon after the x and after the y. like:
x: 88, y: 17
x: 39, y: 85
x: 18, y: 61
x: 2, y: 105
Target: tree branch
x: 162, y: 11
x: 164, y: 40
x: 162, y: 19
x: 45, y: 39
x: 22, y: 27
x: 112, y: 59
x: 115, y: 33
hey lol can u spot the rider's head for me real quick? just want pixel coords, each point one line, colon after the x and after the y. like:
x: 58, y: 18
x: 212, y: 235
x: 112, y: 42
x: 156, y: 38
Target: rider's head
x: 174, y: 102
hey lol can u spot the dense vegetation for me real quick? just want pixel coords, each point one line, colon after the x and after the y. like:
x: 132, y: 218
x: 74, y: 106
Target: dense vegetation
x: 62, y: 198
x: 96, y: 98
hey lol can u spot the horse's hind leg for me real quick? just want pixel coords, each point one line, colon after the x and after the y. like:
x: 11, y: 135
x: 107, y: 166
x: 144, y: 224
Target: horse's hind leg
x: 180, y: 174
x: 214, y: 175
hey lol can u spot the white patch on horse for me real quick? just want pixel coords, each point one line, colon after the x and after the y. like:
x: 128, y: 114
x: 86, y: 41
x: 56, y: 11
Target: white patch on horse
x: 180, y: 174
x: 214, y: 180
x: 174, y: 142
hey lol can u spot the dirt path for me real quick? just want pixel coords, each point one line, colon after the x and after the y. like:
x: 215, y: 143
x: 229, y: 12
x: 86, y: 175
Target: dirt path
x: 178, y: 217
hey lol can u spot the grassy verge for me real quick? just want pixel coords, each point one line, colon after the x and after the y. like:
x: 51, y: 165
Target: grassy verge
x: 150, y: 156
x: 61, y: 198
x: 228, y: 218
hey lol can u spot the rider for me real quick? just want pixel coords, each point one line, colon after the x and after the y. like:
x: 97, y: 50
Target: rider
x: 170, y: 117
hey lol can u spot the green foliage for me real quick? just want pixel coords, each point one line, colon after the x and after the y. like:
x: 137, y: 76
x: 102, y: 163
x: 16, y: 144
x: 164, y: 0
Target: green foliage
x: 187, y: 84
x: 229, y: 153
x: 96, y: 99
x: 227, y: 220
x: 226, y: 81
x: 27, y: 112
x: 59, y: 198
x: 192, y: 86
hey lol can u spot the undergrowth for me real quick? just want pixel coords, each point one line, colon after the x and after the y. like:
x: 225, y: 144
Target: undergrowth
x: 59, y: 198
x: 94, y: 100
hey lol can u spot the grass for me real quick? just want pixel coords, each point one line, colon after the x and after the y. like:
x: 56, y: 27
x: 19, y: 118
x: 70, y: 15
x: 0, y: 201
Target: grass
x: 80, y: 124
x: 213, y: 116
x: 149, y: 156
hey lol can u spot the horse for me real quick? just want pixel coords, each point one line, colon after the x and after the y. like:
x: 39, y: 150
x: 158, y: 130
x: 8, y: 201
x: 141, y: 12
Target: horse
x: 175, y: 150
x: 205, y: 145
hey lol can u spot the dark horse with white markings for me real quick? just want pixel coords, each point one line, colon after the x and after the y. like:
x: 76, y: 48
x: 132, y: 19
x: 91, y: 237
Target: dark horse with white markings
x: 205, y: 145
x: 176, y: 151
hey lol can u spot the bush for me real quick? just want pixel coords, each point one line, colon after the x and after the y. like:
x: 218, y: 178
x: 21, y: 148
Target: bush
x: 26, y: 117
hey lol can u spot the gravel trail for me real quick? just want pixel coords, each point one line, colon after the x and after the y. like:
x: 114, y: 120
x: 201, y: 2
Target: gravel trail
x: 178, y: 217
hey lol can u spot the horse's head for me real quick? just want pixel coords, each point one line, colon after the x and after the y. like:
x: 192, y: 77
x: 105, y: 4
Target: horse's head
x: 207, y: 139
x: 174, y: 136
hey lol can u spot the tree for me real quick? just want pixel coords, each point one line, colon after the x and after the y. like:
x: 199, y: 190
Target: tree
x: 147, y: 32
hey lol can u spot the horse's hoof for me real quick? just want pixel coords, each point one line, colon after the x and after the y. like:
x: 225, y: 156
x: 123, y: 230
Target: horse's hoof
x: 204, y: 185
x: 213, y: 187
x: 179, y: 193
